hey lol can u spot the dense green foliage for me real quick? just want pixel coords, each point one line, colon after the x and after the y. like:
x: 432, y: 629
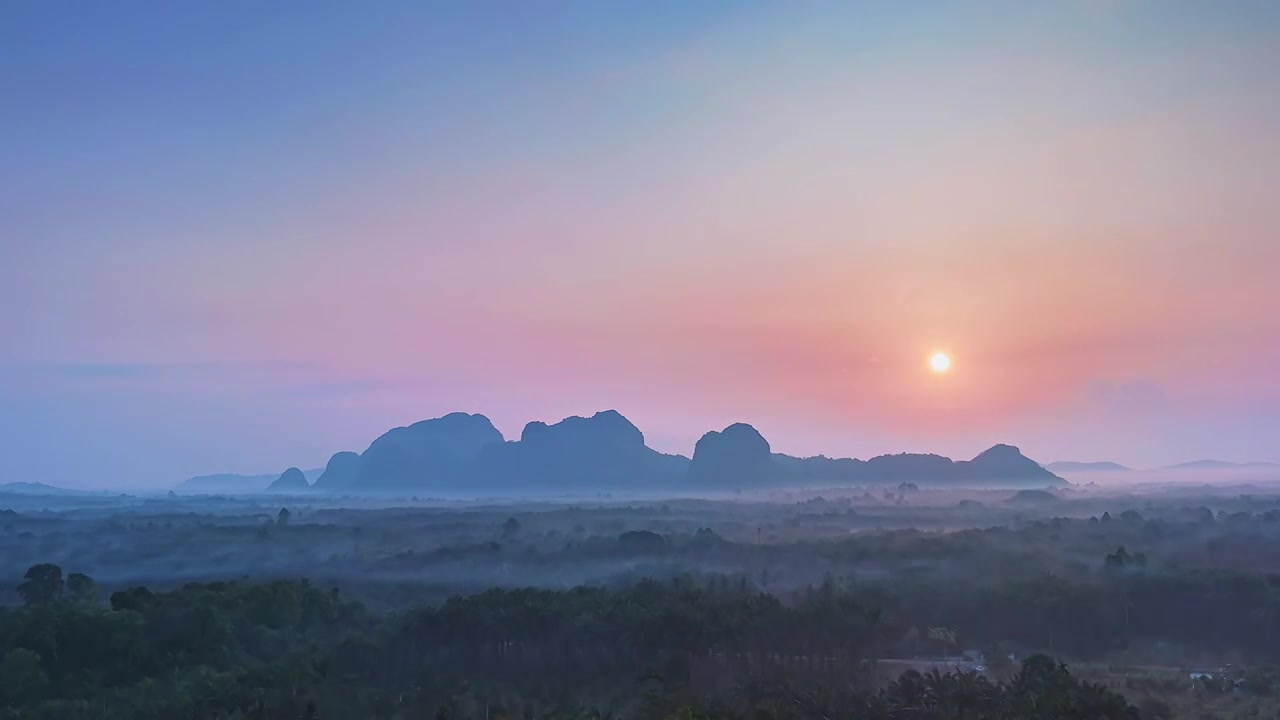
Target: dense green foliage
x: 542, y: 609
x: 291, y: 650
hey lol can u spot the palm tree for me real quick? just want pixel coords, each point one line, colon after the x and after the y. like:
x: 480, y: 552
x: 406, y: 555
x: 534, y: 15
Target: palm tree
x: 908, y: 693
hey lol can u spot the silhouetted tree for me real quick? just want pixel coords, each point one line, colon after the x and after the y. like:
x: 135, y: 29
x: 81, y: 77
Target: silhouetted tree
x: 41, y: 585
x: 81, y: 588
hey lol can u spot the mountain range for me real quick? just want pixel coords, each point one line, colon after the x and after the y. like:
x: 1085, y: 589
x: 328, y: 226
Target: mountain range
x: 39, y: 488
x: 464, y: 453
x: 1069, y: 466
x: 1217, y: 465
x: 231, y: 484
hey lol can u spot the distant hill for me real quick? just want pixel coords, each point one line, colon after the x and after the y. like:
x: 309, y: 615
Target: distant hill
x: 1201, y: 465
x: 1032, y: 497
x: 466, y: 453
x: 1217, y: 465
x: 463, y: 454
x: 230, y: 484
x: 292, y: 480
x: 432, y: 454
x: 38, y: 488
x: 340, y: 473
x: 602, y: 452
x: 739, y: 458
x: 817, y: 470
x: 1005, y: 465
x: 1068, y: 466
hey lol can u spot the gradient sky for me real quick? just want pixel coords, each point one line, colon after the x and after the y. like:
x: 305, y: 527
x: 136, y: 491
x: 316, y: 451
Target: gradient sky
x: 238, y: 236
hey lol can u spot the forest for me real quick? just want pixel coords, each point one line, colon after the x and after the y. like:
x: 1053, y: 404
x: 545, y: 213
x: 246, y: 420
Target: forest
x: 879, y: 602
x: 288, y: 649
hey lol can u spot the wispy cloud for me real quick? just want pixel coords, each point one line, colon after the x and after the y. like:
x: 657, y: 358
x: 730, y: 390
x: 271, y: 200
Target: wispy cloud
x: 160, y: 370
x: 102, y: 370
x: 280, y: 380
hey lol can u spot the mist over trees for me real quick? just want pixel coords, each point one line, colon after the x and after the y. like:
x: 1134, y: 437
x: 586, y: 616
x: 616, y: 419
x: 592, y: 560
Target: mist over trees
x: 289, y: 649
x: 887, y: 601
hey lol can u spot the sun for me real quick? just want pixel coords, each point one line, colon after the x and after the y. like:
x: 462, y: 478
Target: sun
x: 940, y: 362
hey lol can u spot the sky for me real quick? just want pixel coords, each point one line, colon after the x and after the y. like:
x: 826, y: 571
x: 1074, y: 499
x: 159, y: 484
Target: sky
x: 241, y: 236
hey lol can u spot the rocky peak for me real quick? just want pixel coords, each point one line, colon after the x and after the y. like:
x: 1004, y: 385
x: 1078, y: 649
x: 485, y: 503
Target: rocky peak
x: 290, y: 481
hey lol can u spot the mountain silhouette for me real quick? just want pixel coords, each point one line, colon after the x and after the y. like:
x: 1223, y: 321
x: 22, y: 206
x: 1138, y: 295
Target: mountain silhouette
x: 292, y: 480
x: 462, y: 453
x: 817, y: 470
x: 1003, y: 464
x: 340, y: 473
x: 1217, y: 465
x: 433, y: 454
x: 602, y: 452
x: 465, y: 453
x: 1071, y: 466
x: 39, y: 488
x: 908, y: 467
x: 231, y: 484
x: 737, y: 457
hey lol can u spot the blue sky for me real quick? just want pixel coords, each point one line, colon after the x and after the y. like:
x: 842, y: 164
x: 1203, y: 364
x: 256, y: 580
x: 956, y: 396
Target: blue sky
x: 242, y: 236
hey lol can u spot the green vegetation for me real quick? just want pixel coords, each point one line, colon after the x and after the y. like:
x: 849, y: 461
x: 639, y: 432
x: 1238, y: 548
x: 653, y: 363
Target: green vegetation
x: 806, y: 605
x: 291, y: 650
